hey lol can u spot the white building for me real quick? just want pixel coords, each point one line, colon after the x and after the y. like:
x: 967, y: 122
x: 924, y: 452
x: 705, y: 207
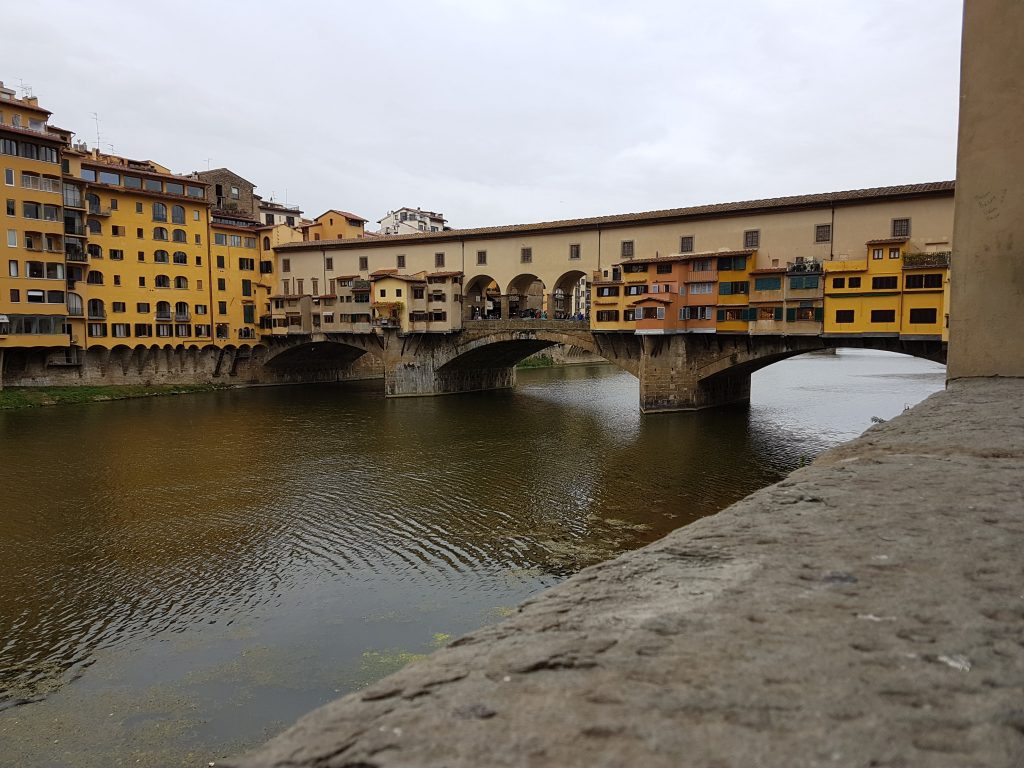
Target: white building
x: 408, y: 221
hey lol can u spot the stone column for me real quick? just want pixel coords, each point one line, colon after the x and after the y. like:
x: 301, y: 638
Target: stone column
x: 987, y: 272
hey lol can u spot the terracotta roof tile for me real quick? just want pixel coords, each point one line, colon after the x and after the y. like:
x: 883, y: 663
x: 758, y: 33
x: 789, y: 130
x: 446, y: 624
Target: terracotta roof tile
x: 887, y: 240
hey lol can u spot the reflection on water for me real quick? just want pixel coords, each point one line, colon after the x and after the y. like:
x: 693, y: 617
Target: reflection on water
x: 182, y: 577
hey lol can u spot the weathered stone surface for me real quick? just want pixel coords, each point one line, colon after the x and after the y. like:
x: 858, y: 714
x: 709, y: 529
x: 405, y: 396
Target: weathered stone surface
x: 866, y: 611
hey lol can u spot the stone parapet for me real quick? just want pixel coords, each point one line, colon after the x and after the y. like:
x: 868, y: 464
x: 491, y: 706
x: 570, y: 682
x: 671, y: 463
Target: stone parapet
x: 866, y: 610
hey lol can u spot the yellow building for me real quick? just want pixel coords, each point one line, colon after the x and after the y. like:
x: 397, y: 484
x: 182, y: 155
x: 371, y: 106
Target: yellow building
x: 33, y: 287
x: 148, y: 269
x: 334, y: 225
x: 898, y: 289
x: 241, y: 279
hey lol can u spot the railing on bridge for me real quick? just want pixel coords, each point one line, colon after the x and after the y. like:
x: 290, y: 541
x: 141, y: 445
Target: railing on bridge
x: 526, y: 325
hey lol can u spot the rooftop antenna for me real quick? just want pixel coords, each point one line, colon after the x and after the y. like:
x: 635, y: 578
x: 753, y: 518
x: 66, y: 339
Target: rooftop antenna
x: 25, y: 88
x: 96, y: 119
x: 208, y: 162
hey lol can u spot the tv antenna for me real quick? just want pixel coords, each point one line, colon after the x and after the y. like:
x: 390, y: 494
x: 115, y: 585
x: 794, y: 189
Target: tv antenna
x: 25, y: 88
x: 96, y: 119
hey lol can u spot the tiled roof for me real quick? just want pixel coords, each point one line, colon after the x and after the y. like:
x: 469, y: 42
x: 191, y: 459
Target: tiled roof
x: 768, y: 271
x: 443, y: 274
x: 651, y: 298
x: 384, y: 273
x: 766, y: 205
x: 887, y: 240
x: 346, y: 214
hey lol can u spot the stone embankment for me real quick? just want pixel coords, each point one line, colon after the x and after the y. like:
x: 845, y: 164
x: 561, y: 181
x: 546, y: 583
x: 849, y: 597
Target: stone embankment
x: 866, y: 611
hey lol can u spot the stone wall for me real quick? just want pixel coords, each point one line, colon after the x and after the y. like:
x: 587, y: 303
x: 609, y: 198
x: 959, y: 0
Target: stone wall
x: 155, y: 365
x: 865, y: 611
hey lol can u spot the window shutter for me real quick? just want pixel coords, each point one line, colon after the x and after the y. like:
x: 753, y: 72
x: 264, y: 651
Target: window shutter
x: 819, y: 314
x: 791, y: 314
x: 721, y: 315
x: 778, y: 313
x: 725, y: 289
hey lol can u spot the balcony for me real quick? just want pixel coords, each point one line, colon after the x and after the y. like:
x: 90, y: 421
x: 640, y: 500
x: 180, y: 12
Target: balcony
x: 74, y: 229
x: 706, y: 276
x: 182, y: 317
x: 95, y: 210
x: 75, y: 254
x: 97, y: 314
x: 163, y: 317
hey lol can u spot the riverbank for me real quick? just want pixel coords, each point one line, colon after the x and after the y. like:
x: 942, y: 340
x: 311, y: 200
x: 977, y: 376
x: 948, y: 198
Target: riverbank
x: 15, y: 398
x: 866, y: 610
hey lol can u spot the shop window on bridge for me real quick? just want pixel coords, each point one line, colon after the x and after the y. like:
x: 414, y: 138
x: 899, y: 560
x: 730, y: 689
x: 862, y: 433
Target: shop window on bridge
x: 607, y: 316
x: 883, y: 315
x: 923, y: 281
x: 733, y: 288
x: 813, y: 314
x: 923, y: 316
x: 803, y: 282
x: 768, y: 284
x: 887, y: 282
x: 769, y: 313
x: 732, y: 263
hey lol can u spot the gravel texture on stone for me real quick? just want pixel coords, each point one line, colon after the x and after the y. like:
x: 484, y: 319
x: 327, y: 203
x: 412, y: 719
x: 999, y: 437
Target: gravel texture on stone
x: 868, y: 610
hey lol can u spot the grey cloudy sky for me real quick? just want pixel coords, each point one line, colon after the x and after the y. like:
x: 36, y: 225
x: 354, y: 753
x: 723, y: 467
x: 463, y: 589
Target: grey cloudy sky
x: 507, y: 112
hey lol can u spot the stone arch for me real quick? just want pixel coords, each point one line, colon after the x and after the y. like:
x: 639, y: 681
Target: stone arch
x: 505, y: 348
x: 568, y: 295
x: 481, y: 298
x: 525, y: 296
x: 330, y: 353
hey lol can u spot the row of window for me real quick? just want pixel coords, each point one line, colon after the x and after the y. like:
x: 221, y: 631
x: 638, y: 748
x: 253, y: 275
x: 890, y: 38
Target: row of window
x: 163, y: 308
x: 889, y: 282
x: 39, y: 270
x: 114, y: 178
x: 36, y: 296
x: 159, y: 233
x: 919, y: 316
x: 145, y: 330
x: 234, y: 241
x: 29, y: 150
x: 32, y: 324
x: 33, y: 210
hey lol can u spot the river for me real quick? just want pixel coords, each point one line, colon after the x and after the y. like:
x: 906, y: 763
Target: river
x: 182, y: 577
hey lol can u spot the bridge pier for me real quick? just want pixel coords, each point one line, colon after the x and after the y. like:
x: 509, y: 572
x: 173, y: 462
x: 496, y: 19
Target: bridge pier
x: 671, y: 380
x: 415, y: 367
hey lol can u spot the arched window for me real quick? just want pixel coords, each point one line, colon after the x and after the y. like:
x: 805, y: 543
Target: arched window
x: 159, y: 233
x: 181, y: 282
x: 74, y: 305
x: 266, y: 243
x: 96, y: 309
x: 163, y: 310
x: 95, y: 252
x: 163, y: 281
x: 94, y: 278
x: 180, y: 257
x: 178, y: 214
x: 95, y: 228
x: 160, y: 257
x: 179, y: 236
x: 92, y: 203
x: 159, y: 212
x: 181, y: 311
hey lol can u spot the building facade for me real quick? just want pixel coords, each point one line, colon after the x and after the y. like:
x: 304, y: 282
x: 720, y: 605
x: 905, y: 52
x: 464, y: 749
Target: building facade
x: 409, y: 221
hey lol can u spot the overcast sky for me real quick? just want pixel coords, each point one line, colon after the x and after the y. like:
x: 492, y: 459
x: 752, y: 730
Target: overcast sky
x: 506, y: 112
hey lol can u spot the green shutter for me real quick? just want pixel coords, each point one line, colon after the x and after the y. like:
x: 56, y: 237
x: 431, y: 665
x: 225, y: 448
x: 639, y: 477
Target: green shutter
x: 778, y: 313
x: 790, y: 314
x: 819, y: 314
x: 721, y: 315
x: 811, y: 281
x: 249, y: 313
x: 725, y: 289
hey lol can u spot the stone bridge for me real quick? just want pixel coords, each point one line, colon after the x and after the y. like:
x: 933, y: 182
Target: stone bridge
x: 676, y: 372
